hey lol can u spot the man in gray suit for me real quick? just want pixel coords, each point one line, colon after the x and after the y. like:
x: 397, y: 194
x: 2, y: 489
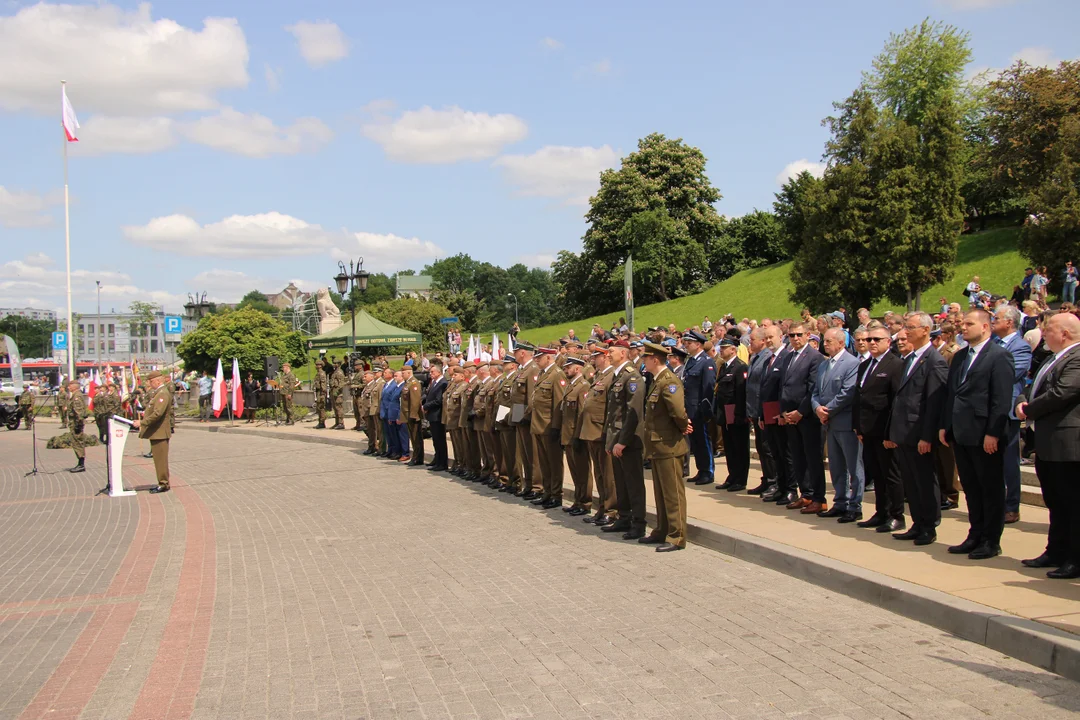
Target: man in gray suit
x: 833, y: 402
x: 760, y: 354
x: 1052, y: 405
x: 1006, y: 325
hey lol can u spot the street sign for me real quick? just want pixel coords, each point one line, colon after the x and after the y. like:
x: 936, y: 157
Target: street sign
x: 172, y: 325
x: 448, y: 321
x: 59, y: 341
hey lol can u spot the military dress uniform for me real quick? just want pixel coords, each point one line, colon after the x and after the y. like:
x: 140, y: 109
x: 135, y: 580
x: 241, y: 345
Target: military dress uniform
x: 287, y: 385
x: 480, y: 423
x: 524, y: 385
x: 356, y: 389
x: 411, y: 397
x: 507, y: 431
x: 593, y: 431
x: 319, y: 386
x: 468, y: 428
x: 545, y: 424
x: 625, y: 426
x: 665, y: 446
x: 452, y: 400
x: 376, y: 441
x: 76, y: 418
x: 337, y: 397
x: 491, y: 428
x: 577, y: 452
x: 154, y: 427
x: 731, y: 391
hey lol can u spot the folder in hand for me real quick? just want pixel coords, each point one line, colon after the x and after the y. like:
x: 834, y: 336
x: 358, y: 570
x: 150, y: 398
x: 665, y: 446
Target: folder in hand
x: 770, y: 410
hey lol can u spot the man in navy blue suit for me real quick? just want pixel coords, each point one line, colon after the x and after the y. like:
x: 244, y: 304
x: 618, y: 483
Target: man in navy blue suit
x: 699, y: 387
x: 802, y: 426
x: 1006, y: 326
x: 389, y: 411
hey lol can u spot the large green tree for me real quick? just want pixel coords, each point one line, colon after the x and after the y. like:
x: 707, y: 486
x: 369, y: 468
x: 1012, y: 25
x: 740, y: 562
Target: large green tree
x: 246, y: 334
x: 415, y: 314
x: 790, y: 208
x: 34, y: 337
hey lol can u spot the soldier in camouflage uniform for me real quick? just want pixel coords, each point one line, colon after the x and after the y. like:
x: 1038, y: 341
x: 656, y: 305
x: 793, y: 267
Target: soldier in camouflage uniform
x: 76, y: 416
x: 337, y: 397
x: 26, y: 404
x: 63, y: 399
x: 320, y: 385
x: 356, y: 387
x: 287, y: 384
x: 106, y: 404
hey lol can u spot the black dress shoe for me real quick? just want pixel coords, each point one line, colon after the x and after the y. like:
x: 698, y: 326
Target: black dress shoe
x: 832, y: 512
x: 603, y: 521
x: 569, y: 508
x: 738, y: 487
x: 771, y: 495
x: 552, y: 504
x: 578, y: 511
x: 892, y: 525
x: 693, y: 478
x: 77, y: 469
x: 520, y: 492
x: 926, y: 538
x: 985, y: 551
x: 537, y: 501
x: 148, y: 455
x: 969, y: 544
x: 849, y: 517
x: 1068, y: 571
x: 668, y: 547
x: 724, y: 485
x: 651, y: 540
x: 704, y: 481
x: 868, y: 487
x: 948, y: 505
x: 506, y: 488
x: 912, y: 533
x: 787, y: 498
x: 876, y: 520
x: 760, y: 489
x: 1043, y: 561
x: 159, y: 489
x: 633, y: 534
x: 530, y: 495
x: 617, y: 526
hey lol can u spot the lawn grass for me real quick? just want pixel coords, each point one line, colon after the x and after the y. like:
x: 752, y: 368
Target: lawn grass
x: 763, y: 292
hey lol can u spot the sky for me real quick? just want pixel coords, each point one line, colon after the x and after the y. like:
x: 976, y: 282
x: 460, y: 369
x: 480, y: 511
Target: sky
x: 233, y: 145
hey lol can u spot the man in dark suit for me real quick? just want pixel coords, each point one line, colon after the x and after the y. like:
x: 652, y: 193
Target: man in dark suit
x: 731, y: 406
x: 699, y: 384
x: 786, y: 488
x: 1006, y: 326
x: 1052, y: 405
x: 975, y: 424
x: 833, y: 403
x: 433, y: 405
x: 801, y: 425
x: 878, y: 380
x: 913, y: 425
x: 760, y: 354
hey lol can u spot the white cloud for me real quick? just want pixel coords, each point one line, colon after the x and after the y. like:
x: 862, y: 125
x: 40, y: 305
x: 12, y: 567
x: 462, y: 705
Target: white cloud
x: 817, y: 169
x: 974, y: 4
x: 542, y: 260
x: 445, y: 136
x: 273, y: 78
x: 320, y: 42
x: 274, y: 234
x: 38, y: 259
x: 103, y: 134
x: 256, y: 135
x: 1036, y: 56
x: 555, y: 171
x: 550, y: 43
x: 25, y: 209
x: 116, y: 61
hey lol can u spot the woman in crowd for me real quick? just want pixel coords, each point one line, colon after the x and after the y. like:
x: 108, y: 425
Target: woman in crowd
x: 251, y: 397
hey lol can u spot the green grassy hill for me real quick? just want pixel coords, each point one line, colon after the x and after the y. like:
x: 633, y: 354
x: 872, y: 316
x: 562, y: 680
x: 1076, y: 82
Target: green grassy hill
x: 763, y: 292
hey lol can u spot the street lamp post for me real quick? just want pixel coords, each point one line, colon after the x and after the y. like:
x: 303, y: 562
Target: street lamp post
x: 97, y: 333
x: 355, y: 277
x: 515, y: 306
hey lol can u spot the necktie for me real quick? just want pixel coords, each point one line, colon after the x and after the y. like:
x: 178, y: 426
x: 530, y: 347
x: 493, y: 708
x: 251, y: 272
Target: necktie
x: 967, y: 365
x: 908, y: 362
x: 869, y: 369
x: 1036, y: 385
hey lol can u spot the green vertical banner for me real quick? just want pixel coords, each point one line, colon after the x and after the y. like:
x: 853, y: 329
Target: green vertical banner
x: 628, y: 286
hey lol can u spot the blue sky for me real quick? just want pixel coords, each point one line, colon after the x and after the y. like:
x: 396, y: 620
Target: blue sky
x: 231, y: 145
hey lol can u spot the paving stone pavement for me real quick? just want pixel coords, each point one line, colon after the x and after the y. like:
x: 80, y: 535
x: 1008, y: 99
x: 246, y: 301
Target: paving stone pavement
x: 290, y: 580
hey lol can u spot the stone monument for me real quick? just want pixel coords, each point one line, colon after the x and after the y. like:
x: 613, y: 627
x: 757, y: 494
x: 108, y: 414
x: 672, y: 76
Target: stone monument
x: 329, y: 315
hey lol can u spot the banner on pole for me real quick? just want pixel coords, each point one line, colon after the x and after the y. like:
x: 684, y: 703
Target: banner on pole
x: 628, y: 286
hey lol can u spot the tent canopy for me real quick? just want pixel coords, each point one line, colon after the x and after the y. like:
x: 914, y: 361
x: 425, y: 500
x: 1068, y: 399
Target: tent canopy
x: 370, y: 332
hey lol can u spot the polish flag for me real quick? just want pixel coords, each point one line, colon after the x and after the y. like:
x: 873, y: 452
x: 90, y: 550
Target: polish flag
x: 237, y: 390
x: 123, y: 384
x: 495, y: 354
x: 219, y: 390
x: 91, y: 388
x: 67, y: 117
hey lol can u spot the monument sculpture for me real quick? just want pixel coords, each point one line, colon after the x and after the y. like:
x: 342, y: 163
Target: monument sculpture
x: 329, y: 315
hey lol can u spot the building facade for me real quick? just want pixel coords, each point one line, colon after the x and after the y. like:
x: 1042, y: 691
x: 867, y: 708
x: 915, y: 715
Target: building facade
x: 416, y: 286
x: 123, y: 337
x: 29, y: 313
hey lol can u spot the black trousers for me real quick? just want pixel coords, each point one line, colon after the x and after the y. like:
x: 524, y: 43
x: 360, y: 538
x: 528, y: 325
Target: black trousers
x: 737, y: 451
x: 805, y: 444
x: 629, y: 473
x: 1061, y: 493
x: 983, y: 478
x: 921, y: 486
x: 880, y: 464
x: 438, y: 444
x: 785, y: 477
x: 765, y: 454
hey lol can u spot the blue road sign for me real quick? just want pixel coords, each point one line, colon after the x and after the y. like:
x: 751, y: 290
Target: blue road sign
x: 172, y: 324
x: 448, y: 321
x: 59, y: 341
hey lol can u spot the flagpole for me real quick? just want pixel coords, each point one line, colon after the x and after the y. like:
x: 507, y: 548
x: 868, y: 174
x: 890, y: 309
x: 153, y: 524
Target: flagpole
x: 67, y: 250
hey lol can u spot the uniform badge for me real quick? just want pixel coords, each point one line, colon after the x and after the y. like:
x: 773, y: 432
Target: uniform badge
x: 536, y: 377
x: 562, y: 382
x: 672, y: 389
x: 632, y: 386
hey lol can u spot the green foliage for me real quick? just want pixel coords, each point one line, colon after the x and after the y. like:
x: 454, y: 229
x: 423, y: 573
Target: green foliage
x: 34, y: 337
x: 257, y: 301
x: 247, y: 334
x: 758, y: 237
x: 664, y: 255
x: 418, y: 315
x: 478, y: 293
x: 142, y: 316
x: 790, y: 209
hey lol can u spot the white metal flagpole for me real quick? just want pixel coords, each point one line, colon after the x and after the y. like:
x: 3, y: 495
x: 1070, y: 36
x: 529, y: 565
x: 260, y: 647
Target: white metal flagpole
x: 67, y: 249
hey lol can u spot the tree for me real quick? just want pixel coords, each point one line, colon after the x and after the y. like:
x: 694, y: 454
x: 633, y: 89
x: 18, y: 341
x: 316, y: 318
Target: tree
x: 246, y: 334
x: 34, y: 337
x: 418, y: 315
x: 790, y: 209
x: 758, y: 237
x: 142, y: 316
x: 257, y: 301
x: 664, y: 175
x: 662, y: 250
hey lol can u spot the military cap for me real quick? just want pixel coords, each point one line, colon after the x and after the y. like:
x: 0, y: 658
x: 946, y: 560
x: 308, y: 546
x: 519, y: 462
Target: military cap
x: 575, y: 344
x: 679, y: 351
x: 546, y: 351
x: 636, y: 344
x: 495, y: 363
x: 668, y: 342
x: 509, y: 359
x: 573, y: 360
x: 564, y: 340
x: 522, y: 345
x: 694, y: 336
x: 620, y: 343
x: 599, y: 349
x: 729, y: 342
x: 812, y: 336
x: 319, y: 362
x: 935, y: 333
x: 591, y: 341
x: 154, y: 374
x: 651, y: 348
x: 358, y: 363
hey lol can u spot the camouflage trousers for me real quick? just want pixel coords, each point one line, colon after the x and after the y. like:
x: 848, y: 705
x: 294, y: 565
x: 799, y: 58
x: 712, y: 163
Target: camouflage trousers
x: 77, y: 428
x: 320, y: 409
x: 339, y: 409
x: 287, y: 406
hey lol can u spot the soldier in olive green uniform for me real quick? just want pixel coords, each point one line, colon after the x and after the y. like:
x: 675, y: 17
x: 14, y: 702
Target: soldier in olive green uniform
x: 375, y: 429
x: 490, y: 433
x: 506, y: 431
x: 337, y: 397
x: 63, y: 400
x: 455, y: 390
x: 154, y: 426
x: 106, y: 404
x: 287, y: 385
x: 319, y: 387
x: 524, y: 385
x: 479, y: 407
x: 546, y: 421
x: 666, y: 428
x: 411, y: 402
x: 26, y: 404
x: 76, y: 417
x: 356, y: 388
x: 468, y: 429
x: 367, y: 384
x: 625, y: 430
x: 577, y: 454
x: 593, y: 432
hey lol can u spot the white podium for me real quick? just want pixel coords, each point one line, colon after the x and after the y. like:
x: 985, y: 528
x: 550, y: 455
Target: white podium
x: 118, y: 432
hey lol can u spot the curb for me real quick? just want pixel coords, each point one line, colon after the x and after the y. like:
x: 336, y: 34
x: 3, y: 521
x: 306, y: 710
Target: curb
x: 1028, y: 640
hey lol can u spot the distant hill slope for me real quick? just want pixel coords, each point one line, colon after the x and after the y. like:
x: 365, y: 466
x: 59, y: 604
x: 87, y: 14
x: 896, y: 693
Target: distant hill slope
x: 763, y: 292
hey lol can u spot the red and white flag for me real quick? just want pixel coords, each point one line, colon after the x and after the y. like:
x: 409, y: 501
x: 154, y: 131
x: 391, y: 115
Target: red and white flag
x: 67, y: 117
x: 219, y: 390
x: 237, y: 390
x: 91, y: 388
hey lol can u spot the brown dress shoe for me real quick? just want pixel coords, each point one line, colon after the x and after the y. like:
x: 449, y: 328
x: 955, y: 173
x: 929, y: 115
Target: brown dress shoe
x: 798, y: 504
x: 814, y: 508
x: 1011, y: 517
